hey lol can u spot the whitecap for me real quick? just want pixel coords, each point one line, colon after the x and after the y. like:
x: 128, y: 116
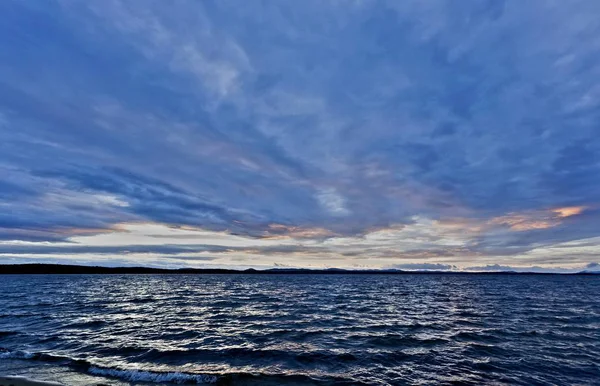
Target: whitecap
x: 150, y: 376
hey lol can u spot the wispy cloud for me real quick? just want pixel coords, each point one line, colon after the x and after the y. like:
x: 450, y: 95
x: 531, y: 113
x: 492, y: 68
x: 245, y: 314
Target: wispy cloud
x: 537, y: 219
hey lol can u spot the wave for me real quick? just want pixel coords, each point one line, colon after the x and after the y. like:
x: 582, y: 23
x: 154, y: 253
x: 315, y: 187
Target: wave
x: 151, y: 376
x: 180, y: 377
x: 5, y: 354
x: 398, y: 341
x: 87, y: 324
x: 141, y: 300
x: 243, y: 353
x: 478, y: 336
x: 130, y: 375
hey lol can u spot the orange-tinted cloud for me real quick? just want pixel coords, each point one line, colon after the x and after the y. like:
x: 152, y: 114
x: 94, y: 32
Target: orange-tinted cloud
x: 537, y: 219
x: 569, y: 211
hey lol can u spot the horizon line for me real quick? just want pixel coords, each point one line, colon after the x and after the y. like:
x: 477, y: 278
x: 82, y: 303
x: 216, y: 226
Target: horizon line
x: 44, y: 268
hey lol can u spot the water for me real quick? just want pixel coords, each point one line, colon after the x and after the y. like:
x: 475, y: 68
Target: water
x: 302, y: 329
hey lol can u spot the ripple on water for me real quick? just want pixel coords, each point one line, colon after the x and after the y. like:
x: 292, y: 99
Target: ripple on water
x: 299, y: 329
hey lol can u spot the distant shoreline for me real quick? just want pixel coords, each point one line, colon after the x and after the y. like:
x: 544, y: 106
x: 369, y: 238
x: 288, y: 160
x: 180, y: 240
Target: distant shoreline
x: 54, y: 269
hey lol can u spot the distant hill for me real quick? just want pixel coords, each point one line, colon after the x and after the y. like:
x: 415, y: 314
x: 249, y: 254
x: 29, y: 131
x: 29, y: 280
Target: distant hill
x: 588, y: 272
x: 82, y: 269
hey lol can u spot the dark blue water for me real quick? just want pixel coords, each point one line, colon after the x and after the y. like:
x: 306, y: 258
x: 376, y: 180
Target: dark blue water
x: 306, y: 329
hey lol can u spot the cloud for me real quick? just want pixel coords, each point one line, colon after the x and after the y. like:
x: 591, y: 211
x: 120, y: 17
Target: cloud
x: 332, y: 202
x: 537, y: 220
x: 424, y: 267
x: 370, y: 133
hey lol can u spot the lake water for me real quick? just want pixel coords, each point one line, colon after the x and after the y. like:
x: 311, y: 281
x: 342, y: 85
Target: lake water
x: 301, y: 329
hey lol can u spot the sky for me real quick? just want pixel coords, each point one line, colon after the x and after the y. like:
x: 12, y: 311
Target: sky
x: 409, y: 134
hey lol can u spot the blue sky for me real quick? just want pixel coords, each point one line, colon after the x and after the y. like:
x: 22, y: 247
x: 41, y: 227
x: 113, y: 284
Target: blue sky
x: 317, y: 134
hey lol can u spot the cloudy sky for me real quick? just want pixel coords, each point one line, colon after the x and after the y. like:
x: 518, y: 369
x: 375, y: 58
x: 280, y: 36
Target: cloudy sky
x: 408, y: 134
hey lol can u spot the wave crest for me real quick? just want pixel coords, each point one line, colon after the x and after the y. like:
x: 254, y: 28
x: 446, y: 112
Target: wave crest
x: 150, y: 376
x: 16, y: 355
x: 126, y: 375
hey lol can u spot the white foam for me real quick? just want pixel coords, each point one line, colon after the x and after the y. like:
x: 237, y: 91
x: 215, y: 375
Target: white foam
x: 149, y: 376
